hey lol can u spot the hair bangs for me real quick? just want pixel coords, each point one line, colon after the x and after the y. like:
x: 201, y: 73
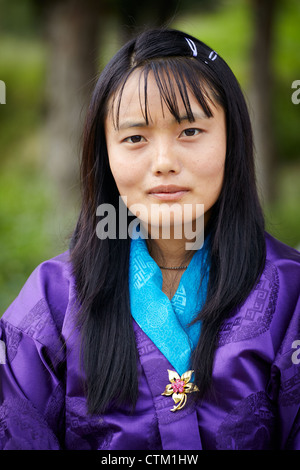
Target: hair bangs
x: 175, y: 78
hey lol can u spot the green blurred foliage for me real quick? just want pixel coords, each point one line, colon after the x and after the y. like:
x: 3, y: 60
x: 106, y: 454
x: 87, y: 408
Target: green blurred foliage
x: 286, y: 65
x: 29, y: 209
x: 28, y: 202
x: 25, y: 229
x: 22, y: 69
x: 20, y: 18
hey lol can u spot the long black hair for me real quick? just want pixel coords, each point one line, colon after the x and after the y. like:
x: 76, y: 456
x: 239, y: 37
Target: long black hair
x: 236, y: 223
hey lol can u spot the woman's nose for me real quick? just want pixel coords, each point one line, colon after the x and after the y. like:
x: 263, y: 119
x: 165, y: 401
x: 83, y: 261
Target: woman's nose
x: 165, y: 160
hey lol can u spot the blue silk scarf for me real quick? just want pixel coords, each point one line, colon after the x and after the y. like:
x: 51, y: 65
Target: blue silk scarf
x: 165, y: 321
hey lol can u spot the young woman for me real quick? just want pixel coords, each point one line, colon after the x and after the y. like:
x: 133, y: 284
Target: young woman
x: 140, y: 338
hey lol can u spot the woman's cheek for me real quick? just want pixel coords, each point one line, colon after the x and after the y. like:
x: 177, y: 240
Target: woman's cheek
x: 124, y: 178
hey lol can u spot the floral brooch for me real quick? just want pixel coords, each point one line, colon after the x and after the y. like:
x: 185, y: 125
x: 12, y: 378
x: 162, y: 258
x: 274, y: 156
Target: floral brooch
x: 179, y: 387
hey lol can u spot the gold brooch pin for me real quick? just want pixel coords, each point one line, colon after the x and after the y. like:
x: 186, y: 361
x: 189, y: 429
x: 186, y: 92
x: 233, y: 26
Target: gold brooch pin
x: 179, y: 387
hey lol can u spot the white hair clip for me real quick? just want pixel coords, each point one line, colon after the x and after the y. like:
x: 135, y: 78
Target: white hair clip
x: 213, y: 55
x: 192, y: 46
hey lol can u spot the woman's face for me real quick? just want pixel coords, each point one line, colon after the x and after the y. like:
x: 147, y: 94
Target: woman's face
x: 165, y: 164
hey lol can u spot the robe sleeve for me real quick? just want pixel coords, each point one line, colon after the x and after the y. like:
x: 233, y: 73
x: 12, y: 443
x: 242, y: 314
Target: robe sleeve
x: 32, y: 363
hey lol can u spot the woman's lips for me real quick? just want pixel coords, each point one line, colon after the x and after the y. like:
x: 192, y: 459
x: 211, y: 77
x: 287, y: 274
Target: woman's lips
x: 168, y: 192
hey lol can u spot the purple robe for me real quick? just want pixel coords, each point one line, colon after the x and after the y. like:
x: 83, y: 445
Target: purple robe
x: 256, y: 374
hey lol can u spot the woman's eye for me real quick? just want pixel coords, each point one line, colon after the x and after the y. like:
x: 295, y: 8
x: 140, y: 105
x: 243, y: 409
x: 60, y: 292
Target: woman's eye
x: 190, y: 132
x: 134, y: 139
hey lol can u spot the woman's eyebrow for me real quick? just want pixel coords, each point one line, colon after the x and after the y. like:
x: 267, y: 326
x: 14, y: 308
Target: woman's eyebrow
x: 128, y: 124
x: 193, y: 117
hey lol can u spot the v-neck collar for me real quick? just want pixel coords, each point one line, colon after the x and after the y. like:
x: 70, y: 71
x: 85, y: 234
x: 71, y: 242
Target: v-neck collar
x: 166, y: 321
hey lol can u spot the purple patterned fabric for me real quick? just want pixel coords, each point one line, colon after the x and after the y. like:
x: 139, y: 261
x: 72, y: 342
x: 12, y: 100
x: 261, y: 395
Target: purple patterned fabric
x: 256, y: 374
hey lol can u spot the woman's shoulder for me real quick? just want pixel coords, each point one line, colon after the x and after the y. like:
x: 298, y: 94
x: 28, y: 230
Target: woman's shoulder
x: 44, y: 298
x: 277, y: 250
x: 281, y: 277
x: 284, y: 262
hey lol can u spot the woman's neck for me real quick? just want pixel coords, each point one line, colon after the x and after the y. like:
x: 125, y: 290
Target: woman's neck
x: 169, y: 253
x: 172, y: 251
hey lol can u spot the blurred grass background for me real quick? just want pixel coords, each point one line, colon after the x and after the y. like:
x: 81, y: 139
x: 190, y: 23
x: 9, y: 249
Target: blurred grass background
x: 34, y: 222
